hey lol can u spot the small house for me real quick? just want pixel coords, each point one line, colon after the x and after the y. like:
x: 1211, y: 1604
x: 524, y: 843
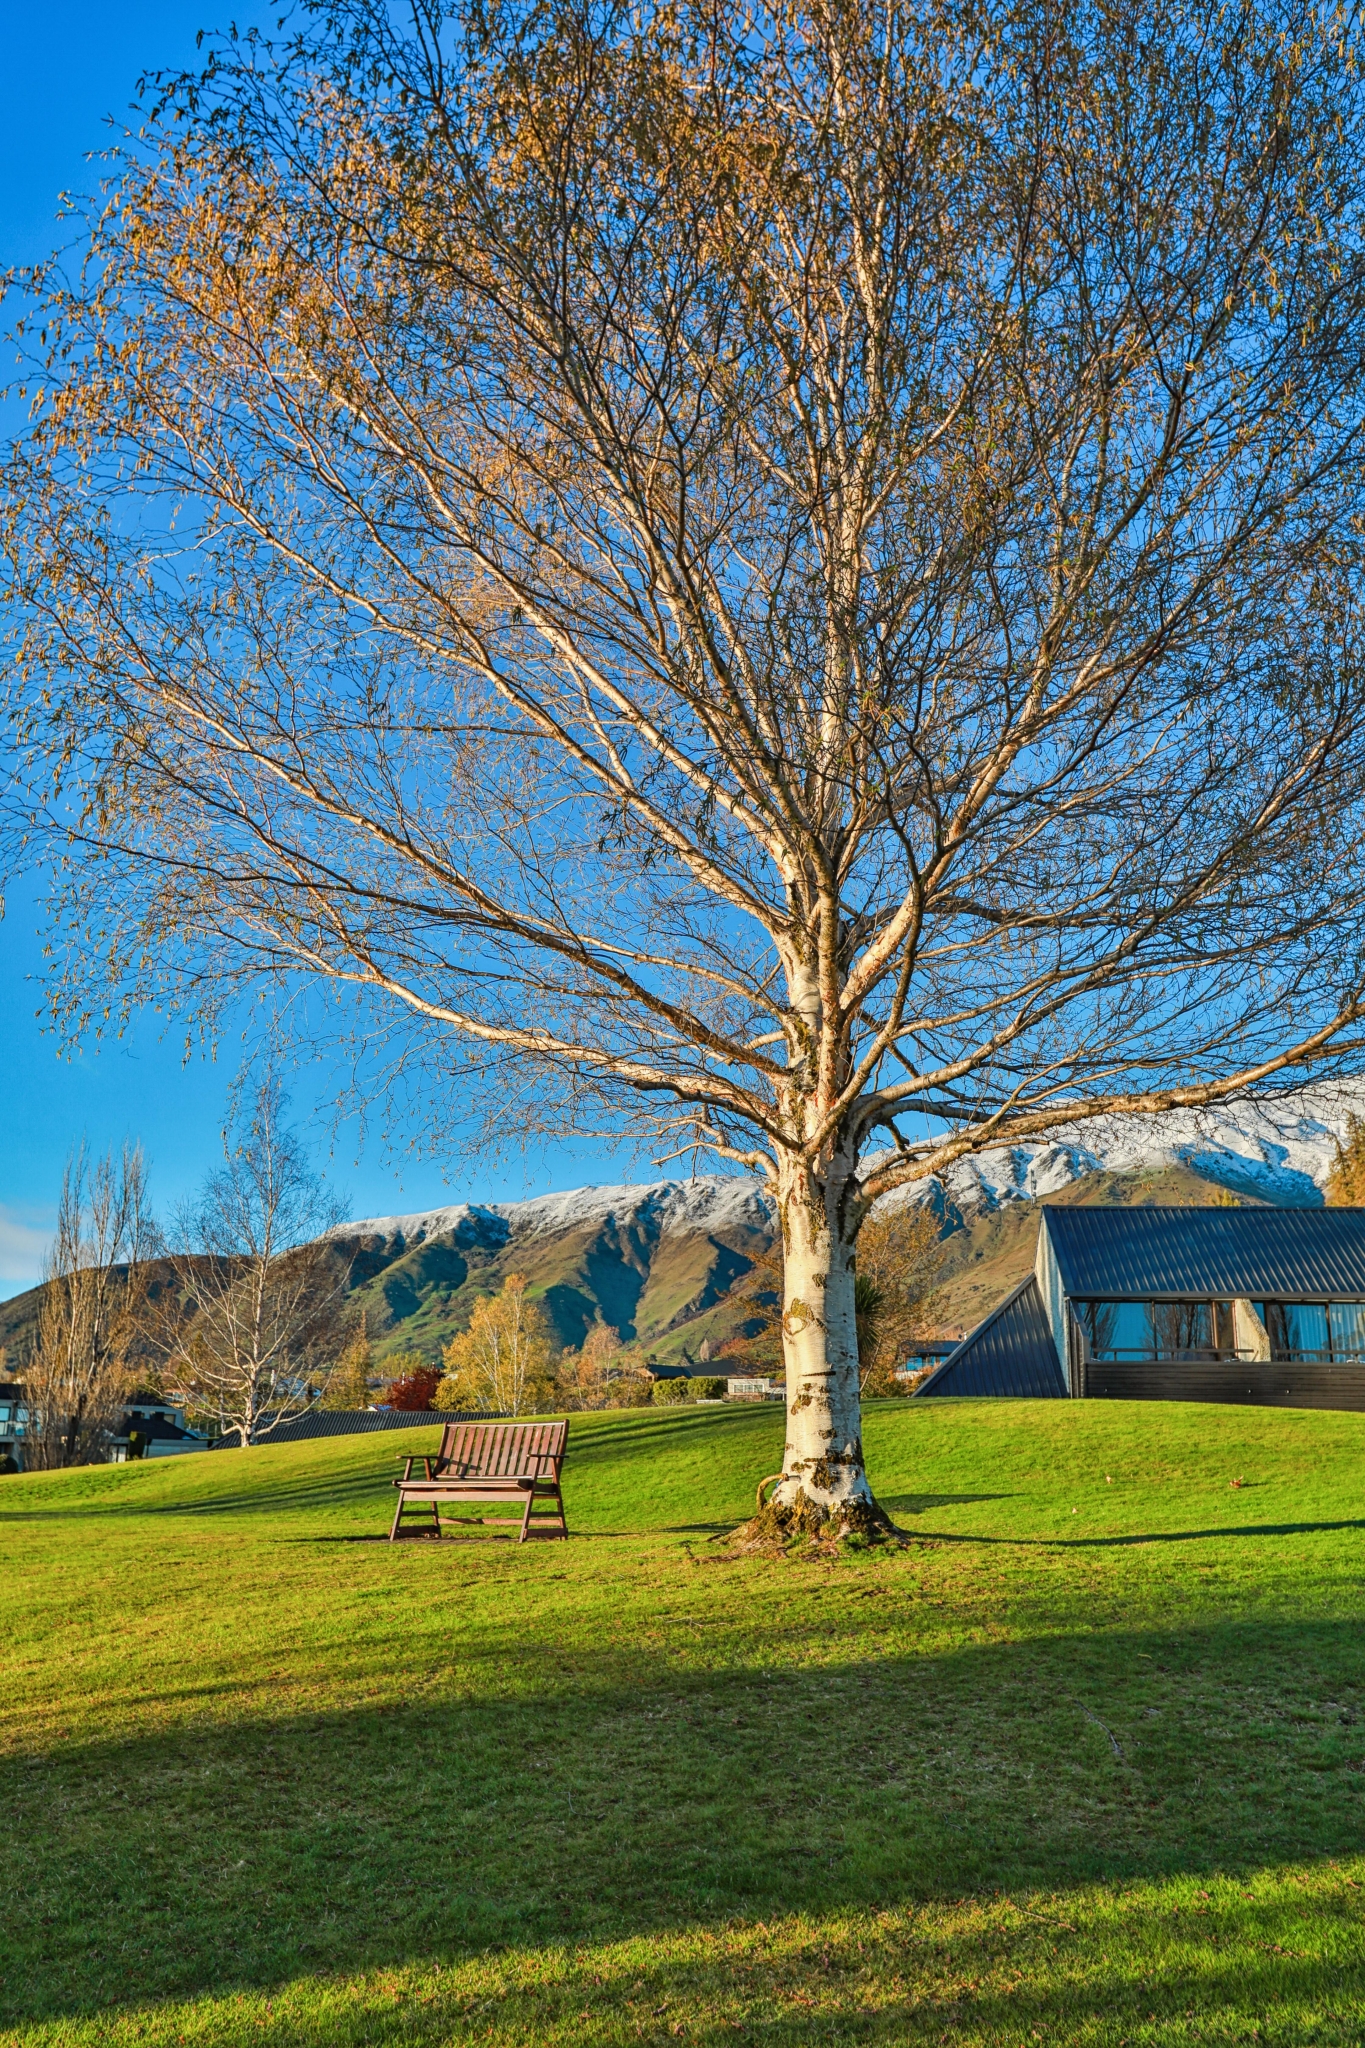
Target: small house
x: 928, y: 1353
x: 752, y: 1387
x: 12, y: 1420
x: 150, y: 1427
x: 153, y: 1428
x: 654, y: 1372
x: 1255, y: 1305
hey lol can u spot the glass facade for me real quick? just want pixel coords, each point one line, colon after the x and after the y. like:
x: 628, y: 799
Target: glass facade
x: 1130, y: 1330
x: 1348, y: 1329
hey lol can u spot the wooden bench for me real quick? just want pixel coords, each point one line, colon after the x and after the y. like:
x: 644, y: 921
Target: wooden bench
x: 489, y: 1462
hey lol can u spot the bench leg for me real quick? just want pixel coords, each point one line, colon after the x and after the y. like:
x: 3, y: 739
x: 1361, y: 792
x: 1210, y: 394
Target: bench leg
x: 556, y: 1508
x: 402, y: 1506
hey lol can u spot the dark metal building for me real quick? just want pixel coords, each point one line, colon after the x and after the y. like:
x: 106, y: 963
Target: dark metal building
x: 361, y: 1422
x: 1265, y: 1306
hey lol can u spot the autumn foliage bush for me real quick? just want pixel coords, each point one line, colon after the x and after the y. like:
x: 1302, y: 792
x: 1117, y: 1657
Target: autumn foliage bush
x: 415, y: 1392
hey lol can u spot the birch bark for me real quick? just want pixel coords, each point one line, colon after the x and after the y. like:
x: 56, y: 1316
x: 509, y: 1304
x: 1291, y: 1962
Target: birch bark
x: 823, y: 1478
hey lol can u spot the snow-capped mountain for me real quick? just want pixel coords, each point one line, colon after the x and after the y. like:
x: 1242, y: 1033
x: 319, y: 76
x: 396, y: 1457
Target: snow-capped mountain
x: 671, y: 1208
x: 1281, y: 1152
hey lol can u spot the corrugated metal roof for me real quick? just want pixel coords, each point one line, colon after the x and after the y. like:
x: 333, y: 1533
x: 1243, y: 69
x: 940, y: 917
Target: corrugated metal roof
x: 1210, y: 1254
x: 360, y: 1422
x: 1010, y: 1353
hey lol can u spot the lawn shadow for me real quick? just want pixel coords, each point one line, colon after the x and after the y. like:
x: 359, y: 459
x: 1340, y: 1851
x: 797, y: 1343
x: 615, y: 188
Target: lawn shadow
x: 922, y: 1503
x: 1137, y: 1538
x: 396, y: 1832
x: 265, y: 1495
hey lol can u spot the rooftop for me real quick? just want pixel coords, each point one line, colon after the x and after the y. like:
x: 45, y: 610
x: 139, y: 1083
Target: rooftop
x: 1209, y: 1254
x: 1010, y: 1353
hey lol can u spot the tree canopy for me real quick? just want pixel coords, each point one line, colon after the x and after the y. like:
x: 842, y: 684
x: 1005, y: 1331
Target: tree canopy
x: 786, y: 579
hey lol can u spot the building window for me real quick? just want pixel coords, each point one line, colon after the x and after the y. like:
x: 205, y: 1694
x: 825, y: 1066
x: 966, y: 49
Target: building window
x: 1130, y: 1331
x: 1348, y: 1329
x: 1315, y: 1329
x: 1117, y: 1329
x: 1297, y: 1329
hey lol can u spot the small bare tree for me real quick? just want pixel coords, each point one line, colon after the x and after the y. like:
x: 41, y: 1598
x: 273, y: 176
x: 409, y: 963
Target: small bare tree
x: 90, y: 1347
x: 603, y: 1373
x: 262, y: 1285
x: 789, y: 578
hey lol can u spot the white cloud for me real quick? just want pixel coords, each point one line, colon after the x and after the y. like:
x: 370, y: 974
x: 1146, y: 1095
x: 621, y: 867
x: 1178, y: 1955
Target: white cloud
x: 24, y: 1237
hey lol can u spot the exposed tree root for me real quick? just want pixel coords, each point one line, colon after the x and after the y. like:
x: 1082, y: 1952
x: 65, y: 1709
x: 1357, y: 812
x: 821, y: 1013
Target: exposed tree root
x: 780, y: 1524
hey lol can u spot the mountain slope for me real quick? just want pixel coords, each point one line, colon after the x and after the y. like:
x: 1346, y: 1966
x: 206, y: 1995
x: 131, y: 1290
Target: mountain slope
x: 992, y: 1249
x: 660, y: 1262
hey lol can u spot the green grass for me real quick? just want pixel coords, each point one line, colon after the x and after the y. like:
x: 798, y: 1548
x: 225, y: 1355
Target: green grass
x: 1084, y: 1763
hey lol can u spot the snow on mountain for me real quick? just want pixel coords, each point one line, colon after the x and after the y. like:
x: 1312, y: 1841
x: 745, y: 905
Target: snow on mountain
x: 674, y: 1207
x: 1280, y: 1152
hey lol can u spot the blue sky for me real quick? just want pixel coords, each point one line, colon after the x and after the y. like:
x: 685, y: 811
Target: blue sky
x: 66, y: 69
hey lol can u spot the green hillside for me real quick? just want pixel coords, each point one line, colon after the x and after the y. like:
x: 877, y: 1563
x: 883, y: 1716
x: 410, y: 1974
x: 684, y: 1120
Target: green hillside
x: 1081, y: 1764
x: 671, y: 1291
x: 668, y: 1292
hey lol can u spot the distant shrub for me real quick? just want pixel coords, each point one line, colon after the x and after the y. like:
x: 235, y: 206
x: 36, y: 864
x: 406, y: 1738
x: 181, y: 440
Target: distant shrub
x: 414, y: 1393
x: 628, y: 1390
x: 911, y: 1382
x: 701, y: 1387
x: 672, y: 1393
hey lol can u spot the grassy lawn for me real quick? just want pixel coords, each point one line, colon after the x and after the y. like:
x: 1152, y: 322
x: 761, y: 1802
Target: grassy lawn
x: 1084, y: 1763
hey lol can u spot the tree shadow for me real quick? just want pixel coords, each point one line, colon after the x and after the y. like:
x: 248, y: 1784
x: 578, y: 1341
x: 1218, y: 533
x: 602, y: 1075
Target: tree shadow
x: 573, y: 1803
x: 922, y: 1503
x: 1138, y: 1538
x: 265, y: 1495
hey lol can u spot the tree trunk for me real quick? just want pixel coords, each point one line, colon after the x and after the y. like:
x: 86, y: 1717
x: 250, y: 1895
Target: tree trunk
x: 824, y: 1486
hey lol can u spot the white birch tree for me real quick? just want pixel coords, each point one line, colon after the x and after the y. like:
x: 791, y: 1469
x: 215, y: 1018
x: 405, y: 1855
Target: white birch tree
x: 789, y: 581
x: 262, y: 1286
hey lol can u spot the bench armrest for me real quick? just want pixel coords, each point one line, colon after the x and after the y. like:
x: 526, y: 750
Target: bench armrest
x: 427, y: 1458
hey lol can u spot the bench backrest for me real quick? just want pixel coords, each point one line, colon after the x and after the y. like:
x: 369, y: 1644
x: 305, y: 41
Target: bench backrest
x: 502, y: 1450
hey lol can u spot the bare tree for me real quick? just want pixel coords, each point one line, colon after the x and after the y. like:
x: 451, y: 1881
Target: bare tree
x: 263, y: 1286
x: 90, y: 1345
x: 788, y: 581
x: 603, y: 1373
